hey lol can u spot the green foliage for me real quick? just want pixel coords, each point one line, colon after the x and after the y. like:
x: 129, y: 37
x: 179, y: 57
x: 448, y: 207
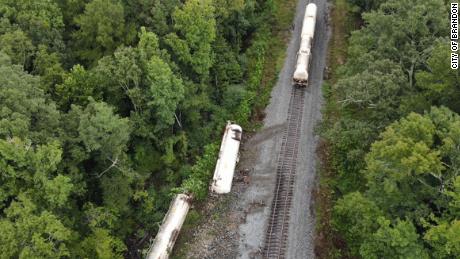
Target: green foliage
x: 445, y: 239
x: 351, y: 140
x: 197, y: 182
x: 225, y: 8
x: 120, y: 75
x: 355, y: 217
x: 400, y: 165
x: 29, y: 176
x: 49, y: 67
x: 392, y: 145
x: 440, y: 83
x: 394, y: 241
x: 366, y: 5
x: 101, y: 29
x: 98, y: 127
x: 377, y: 90
x: 166, y: 91
x: 18, y: 46
x: 32, y: 233
x: 256, y: 54
x: 401, y: 31
x: 100, y: 244
x: 243, y: 112
x: 76, y: 87
x: 103, y: 131
x: 25, y: 112
x: 40, y: 19
x: 195, y: 28
x: 26, y: 169
x: 377, y: 84
x: 409, y: 175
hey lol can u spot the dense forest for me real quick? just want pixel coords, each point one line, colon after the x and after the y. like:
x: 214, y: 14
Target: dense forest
x: 109, y: 107
x: 393, y: 132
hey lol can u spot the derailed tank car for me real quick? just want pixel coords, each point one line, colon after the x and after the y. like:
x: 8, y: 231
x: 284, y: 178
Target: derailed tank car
x: 228, y: 157
x: 300, y: 76
x: 170, y: 228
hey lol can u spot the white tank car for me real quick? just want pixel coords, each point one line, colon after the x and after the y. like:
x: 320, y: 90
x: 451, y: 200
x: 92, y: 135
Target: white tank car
x: 170, y: 228
x: 300, y: 76
x: 228, y: 157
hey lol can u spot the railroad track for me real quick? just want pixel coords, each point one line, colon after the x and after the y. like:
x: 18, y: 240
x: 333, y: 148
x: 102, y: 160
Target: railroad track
x: 278, y: 226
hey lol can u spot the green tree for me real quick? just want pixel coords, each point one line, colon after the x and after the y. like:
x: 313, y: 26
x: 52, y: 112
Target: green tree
x: 166, y: 91
x: 40, y: 19
x: 454, y: 195
x: 224, y: 8
x: 142, y: 75
x: 30, y: 232
x: 448, y: 133
x: 18, y: 46
x: 103, y: 131
x: 439, y: 82
x: 70, y: 9
x: 153, y: 14
x: 355, y: 217
x: 148, y: 45
x: 415, y: 162
x: 49, y: 67
x: 100, y: 244
x: 77, y: 86
x: 105, y: 136
x: 399, y: 240
x: 195, y: 27
x: 401, y: 31
x: 445, y: 239
x: 122, y: 75
x: 411, y: 173
x: 29, y: 169
x: 25, y: 112
x: 226, y: 69
x: 376, y: 91
x: 101, y: 29
x: 32, y: 193
x: 402, y: 166
x: 366, y: 5
x: 350, y: 141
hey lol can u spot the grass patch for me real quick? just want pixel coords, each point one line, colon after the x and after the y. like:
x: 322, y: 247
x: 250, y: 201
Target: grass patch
x: 194, y: 218
x: 278, y: 38
x: 343, y: 20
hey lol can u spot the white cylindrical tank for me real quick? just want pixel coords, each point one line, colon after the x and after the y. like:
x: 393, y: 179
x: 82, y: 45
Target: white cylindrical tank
x: 308, y: 28
x: 311, y: 10
x: 300, y: 76
x: 170, y: 228
x: 305, y: 45
x: 228, y: 157
x: 301, y: 72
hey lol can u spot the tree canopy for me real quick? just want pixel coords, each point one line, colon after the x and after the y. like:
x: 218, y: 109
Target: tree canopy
x: 109, y: 107
x: 394, y: 145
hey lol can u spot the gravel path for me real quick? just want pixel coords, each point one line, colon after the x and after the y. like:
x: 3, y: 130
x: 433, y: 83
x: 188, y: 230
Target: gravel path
x: 245, y: 219
x: 302, y: 221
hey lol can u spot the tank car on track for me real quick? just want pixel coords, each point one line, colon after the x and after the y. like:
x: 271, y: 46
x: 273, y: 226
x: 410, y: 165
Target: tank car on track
x: 304, y: 55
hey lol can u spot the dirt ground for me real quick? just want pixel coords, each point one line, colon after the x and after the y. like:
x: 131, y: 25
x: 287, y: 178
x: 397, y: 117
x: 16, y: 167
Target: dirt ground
x: 235, y: 224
